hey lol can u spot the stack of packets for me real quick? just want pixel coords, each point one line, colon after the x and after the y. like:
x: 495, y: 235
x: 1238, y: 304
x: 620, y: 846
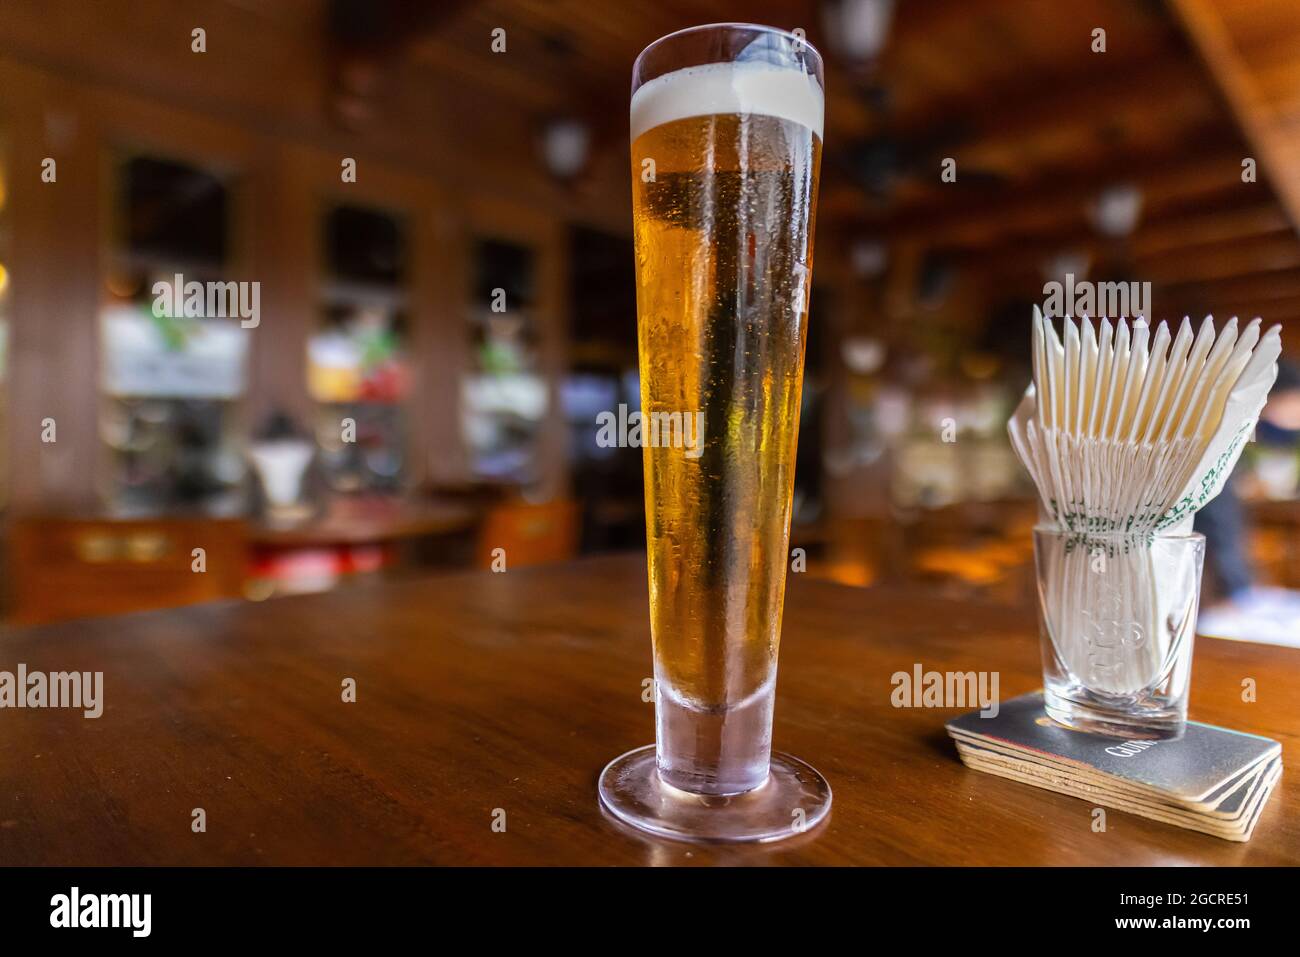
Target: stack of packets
x: 1210, y: 780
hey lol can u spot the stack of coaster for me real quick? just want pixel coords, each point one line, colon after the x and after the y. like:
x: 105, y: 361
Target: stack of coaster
x: 1210, y: 780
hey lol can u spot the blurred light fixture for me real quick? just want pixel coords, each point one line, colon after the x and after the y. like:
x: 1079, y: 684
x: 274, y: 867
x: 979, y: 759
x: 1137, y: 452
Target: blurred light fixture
x: 4, y: 279
x: 868, y: 258
x: 862, y: 354
x: 123, y: 285
x: 565, y: 145
x: 893, y: 409
x: 1116, y: 210
x: 858, y: 29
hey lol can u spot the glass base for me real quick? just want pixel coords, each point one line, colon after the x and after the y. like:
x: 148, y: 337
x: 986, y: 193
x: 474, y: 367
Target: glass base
x: 1147, y: 724
x: 793, y: 800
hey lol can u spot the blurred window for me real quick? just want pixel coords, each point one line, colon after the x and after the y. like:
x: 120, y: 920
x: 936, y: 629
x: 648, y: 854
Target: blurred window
x: 357, y: 362
x: 174, y: 363
x: 504, y: 395
x: 602, y: 376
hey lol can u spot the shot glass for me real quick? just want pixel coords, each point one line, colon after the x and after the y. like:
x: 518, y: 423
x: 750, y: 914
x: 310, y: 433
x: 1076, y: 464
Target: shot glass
x: 1117, y: 626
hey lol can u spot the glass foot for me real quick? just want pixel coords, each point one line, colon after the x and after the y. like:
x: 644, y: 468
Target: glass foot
x: 1122, y: 721
x: 792, y: 801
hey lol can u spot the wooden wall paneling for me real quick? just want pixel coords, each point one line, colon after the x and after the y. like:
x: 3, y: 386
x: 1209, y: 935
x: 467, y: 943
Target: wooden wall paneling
x: 443, y: 342
x: 5, y: 240
x: 262, y: 62
x: 554, y: 317
x: 267, y: 69
x: 55, y: 270
x: 67, y: 230
x: 285, y: 255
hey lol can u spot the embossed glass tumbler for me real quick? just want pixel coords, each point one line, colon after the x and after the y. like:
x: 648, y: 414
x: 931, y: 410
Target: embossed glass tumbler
x: 1117, y: 625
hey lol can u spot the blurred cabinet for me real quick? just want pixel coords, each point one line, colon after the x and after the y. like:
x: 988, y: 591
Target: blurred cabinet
x: 516, y: 534
x: 64, y: 568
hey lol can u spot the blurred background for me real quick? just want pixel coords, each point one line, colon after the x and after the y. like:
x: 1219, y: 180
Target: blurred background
x: 437, y: 337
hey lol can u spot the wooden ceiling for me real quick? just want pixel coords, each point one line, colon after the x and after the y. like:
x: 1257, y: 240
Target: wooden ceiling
x: 1038, y: 123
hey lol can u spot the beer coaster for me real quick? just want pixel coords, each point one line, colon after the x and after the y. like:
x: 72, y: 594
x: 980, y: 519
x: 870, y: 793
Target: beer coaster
x: 1224, y: 801
x: 1211, y: 780
x: 1238, y: 830
x: 1232, y: 813
x: 1196, y: 770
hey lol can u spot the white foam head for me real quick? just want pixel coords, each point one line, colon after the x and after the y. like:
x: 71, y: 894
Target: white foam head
x: 753, y: 87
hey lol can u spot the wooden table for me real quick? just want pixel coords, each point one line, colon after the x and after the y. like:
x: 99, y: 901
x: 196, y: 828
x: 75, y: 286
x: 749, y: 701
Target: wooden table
x: 478, y: 692
x: 358, y: 534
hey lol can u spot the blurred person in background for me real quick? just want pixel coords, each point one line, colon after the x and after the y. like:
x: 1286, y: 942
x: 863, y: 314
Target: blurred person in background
x: 1249, y: 611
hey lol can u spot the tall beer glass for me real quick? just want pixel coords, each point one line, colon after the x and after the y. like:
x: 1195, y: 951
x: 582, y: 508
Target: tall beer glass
x: 726, y: 144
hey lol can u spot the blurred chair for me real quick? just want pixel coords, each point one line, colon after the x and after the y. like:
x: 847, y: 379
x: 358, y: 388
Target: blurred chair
x: 977, y: 550
x: 851, y: 550
x: 530, y: 534
x: 64, y: 568
x: 1274, y: 542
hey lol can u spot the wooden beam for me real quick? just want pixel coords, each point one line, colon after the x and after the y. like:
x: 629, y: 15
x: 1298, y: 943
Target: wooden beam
x: 1062, y: 101
x: 1270, y: 310
x: 1263, y: 284
x: 1229, y: 225
x: 1157, y: 237
x: 1213, y: 40
x: 1055, y: 202
x: 1222, y: 261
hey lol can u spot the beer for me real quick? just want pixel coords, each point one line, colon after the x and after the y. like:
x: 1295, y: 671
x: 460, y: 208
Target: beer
x: 724, y: 168
x: 726, y: 141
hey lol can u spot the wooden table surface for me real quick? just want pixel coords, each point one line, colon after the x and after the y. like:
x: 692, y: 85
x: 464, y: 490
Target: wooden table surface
x: 483, y: 691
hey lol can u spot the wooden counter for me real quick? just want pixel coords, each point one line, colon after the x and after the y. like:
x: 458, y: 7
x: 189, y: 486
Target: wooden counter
x: 369, y: 522
x: 480, y: 691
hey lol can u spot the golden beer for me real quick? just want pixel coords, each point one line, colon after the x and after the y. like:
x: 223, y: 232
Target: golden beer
x: 726, y: 140
x: 723, y: 210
